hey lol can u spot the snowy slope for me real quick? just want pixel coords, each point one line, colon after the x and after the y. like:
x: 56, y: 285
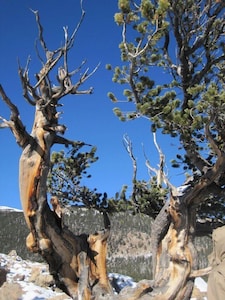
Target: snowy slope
x: 31, y: 278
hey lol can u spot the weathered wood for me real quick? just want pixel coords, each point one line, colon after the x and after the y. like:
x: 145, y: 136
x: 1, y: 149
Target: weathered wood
x: 75, y: 266
x: 158, y: 231
x: 98, y: 270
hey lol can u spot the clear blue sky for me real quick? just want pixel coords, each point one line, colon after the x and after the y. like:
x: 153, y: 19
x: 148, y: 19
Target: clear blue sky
x: 89, y: 118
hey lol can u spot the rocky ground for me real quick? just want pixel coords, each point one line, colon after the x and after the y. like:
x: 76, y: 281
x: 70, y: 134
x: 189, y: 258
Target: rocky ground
x: 25, y: 280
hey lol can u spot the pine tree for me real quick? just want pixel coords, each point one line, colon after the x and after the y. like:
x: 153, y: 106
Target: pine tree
x: 183, y: 41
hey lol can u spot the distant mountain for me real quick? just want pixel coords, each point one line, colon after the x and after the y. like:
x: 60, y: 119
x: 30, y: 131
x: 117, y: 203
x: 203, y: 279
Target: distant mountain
x: 7, y: 208
x: 129, y: 242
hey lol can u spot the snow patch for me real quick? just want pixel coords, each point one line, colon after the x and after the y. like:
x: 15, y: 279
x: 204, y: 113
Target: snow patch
x: 7, y: 208
x: 201, y: 284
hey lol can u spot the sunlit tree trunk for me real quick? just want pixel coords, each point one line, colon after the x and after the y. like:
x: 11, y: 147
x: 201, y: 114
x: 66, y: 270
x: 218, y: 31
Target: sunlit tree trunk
x: 70, y: 257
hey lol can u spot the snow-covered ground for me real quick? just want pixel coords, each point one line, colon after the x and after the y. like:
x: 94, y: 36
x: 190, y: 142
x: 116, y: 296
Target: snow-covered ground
x: 20, y: 272
x: 33, y: 281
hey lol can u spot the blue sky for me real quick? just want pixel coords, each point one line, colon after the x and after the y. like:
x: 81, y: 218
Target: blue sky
x: 89, y: 118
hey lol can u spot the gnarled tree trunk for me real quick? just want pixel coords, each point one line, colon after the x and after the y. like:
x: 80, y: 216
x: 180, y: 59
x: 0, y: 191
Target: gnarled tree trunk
x: 77, y: 263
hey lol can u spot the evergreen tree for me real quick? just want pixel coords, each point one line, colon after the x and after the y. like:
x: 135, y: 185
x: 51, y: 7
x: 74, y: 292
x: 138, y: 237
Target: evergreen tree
x: 182, y: 42
x: 67, y: 171
x: 172, y: 70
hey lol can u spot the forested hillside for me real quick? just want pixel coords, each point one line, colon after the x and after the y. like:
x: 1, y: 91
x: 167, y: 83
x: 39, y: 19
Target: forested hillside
x: 128, y: 243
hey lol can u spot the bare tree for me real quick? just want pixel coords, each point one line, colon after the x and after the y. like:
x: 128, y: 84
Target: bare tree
x: 77, y: 263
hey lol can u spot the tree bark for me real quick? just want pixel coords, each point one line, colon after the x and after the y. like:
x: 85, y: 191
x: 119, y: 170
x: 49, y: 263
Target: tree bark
x: 77, y: 263
x: 71, y: 258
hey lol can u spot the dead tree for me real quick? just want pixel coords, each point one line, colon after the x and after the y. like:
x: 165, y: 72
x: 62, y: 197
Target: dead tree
x: 75, y: 261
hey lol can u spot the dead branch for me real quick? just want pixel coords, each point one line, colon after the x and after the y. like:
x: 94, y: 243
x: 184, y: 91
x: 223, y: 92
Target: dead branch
x: 15, y: 124
x: 70, y: 44
x: 13, y: 108
x: 160, y: 174
x: 200, y: 272
x: 27, y: 87
x: 129, y: 148
x: 85, y: 76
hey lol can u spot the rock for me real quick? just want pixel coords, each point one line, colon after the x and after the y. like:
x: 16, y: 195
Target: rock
x: 19, y: 277
x: 11, y: 291
x: 13, y: 253
x: 41, y: 277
